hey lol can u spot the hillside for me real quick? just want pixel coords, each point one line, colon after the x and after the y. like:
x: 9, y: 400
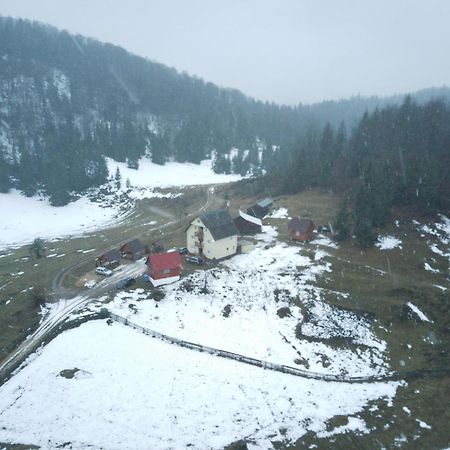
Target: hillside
x: 68, y: 101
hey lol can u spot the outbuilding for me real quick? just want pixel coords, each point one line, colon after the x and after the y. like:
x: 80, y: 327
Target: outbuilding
x: 261, y: 208
x: 247, y: 224
x: 133, y: 250
x: 164, y: 268
x: 301, y: 229
x: 110, y: 259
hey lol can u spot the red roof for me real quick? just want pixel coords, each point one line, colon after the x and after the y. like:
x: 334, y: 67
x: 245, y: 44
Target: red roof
x: 161, y: 261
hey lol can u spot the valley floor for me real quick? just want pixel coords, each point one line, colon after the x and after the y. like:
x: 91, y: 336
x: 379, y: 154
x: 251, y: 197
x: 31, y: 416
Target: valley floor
x: 318, y: 306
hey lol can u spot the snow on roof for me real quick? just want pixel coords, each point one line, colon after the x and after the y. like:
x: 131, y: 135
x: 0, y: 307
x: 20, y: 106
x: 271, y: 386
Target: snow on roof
x: 250, y: 218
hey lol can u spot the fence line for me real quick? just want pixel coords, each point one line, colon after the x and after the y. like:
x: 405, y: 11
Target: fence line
x: 252, y: 361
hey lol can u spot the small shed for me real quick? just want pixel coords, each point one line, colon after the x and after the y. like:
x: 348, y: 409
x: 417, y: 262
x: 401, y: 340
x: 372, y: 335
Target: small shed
x: 261, y: 208
x: 164, y: 268
x: 110, y: 259
x: 301, y: 229
x: 133, y: 250
x: 247, y: 224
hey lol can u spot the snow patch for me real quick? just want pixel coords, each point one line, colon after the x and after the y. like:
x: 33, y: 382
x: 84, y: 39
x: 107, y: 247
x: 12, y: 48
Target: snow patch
x: 280, y: 213
x: 388, y: 243
x: 150, y: 175
x: 418, y: 312
x: 31, y: 217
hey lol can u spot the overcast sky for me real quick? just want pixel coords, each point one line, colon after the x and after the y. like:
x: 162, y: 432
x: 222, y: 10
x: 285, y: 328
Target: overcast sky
x: 287, y: 51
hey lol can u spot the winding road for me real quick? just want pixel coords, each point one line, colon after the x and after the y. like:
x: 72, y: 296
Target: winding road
x: 68, y: 301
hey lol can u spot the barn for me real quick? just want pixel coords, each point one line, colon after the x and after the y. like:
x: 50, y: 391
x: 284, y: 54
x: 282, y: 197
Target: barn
x: 133, y: 250
x: 110, y: 259
x: 301, y: 229
x: 164, y: 268
x: 247, y: 224
x: 261, y: 208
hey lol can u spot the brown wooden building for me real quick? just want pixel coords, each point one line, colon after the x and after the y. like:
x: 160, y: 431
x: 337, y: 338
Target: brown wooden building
x: 110, y: 259
x: 133, y: 250
x: 301, y: 229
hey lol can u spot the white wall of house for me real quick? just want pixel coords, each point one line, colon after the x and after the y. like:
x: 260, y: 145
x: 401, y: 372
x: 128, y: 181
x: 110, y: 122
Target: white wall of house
x: 211, y: 248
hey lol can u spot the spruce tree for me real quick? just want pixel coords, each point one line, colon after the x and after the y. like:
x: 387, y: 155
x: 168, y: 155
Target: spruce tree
x: 342, y: 222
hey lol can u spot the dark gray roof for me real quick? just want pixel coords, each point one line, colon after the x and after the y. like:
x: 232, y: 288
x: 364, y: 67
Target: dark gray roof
x: 265, y: 203
x: 111, y: 255
x: 135, y: 246
x: 219, y: 223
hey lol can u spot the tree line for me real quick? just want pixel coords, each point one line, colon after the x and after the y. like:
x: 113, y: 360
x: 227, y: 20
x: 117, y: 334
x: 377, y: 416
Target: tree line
x: 67, y: 102
x: 395, y: 156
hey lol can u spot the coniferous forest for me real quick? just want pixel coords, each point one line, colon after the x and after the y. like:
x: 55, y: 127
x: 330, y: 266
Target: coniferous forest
x: 67, y: 102
x: 396, y: 156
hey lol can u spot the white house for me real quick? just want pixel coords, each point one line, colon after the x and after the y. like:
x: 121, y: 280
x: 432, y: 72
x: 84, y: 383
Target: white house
x: 212, y: 235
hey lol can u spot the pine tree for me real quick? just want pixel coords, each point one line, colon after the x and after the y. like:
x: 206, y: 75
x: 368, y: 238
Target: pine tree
x: 342, y: 222
x: 118, y: 178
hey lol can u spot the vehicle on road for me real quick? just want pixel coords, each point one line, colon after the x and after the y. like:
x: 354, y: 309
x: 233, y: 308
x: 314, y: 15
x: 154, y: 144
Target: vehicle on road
x: 198, y: 260
x: 103, y: 271
x: 126, y: 282
x: 182, y: 250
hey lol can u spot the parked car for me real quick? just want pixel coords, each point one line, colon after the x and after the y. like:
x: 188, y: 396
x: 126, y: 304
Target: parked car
x: 195, y: 260
x: 182, y: 250
x: 126, y: 282
x: 103, y: 271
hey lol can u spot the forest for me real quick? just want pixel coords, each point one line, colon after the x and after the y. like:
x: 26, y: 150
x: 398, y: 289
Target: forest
x: 67, y: 102
x: 398, y: 156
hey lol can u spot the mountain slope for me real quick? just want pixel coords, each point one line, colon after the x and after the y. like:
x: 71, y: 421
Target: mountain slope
x: 67, y: 101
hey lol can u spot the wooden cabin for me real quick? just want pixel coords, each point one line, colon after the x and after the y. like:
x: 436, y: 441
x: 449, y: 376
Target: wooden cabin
x: 133, y: 250
x: 110, y: 259
x: 301, y: 229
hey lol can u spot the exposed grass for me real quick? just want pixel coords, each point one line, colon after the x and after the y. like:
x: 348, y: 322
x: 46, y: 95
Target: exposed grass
x: 379, y: 284
x: 18, y: 313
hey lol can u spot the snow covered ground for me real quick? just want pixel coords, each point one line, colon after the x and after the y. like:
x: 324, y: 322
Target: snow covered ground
x: 438, y: 235
x: 172, y: 174
x: 280, y: 213
x: 132, y: 391
x: 28, y: 218
x: 271, y: 296
x: 388, y: 243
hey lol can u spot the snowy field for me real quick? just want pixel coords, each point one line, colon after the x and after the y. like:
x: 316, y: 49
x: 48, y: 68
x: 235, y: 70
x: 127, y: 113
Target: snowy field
x: 132, y: 391
x: 271, y: 297
x: 173, y: 174
x: 28, y: 218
